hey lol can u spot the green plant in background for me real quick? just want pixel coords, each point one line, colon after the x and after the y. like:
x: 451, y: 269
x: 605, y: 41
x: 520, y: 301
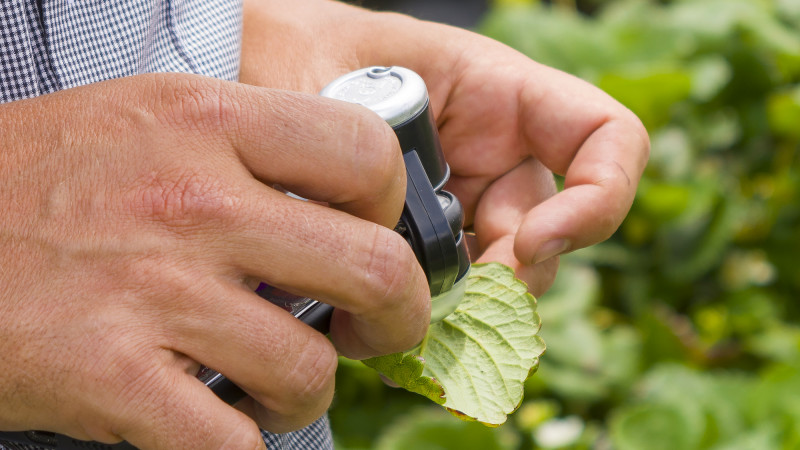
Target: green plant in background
x: 683, y: 330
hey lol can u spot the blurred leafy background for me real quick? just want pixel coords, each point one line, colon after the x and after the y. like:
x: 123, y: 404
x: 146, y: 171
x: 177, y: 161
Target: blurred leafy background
x: 683, y: 330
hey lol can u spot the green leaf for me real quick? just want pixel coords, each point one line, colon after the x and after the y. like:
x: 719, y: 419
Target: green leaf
x: 709, y: 75
x: 429, y: 429
x: 664, y: 201
x: 650, y: 94
x: 552, y: 36
x: 585, y: 359
x: 481, y: 354
x: 783, y: 112
x: 653, y: 427
x: 406, y: 370
x: 573, y: 294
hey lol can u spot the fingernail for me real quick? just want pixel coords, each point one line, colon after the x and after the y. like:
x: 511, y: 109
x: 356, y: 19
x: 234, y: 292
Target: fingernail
x: 551, y: 248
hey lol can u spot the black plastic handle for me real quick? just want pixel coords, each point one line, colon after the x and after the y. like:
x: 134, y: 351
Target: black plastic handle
x: 428, y: 228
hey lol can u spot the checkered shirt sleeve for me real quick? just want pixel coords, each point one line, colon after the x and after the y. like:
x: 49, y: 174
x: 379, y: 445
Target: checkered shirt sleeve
x: 50, y: 45
x: 316, y: 436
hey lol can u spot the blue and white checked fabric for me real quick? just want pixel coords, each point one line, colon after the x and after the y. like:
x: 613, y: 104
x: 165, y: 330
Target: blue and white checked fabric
x: 50, y: 45
x: 47, y: 45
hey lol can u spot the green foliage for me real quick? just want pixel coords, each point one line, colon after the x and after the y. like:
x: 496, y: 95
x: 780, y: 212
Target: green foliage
x: 683, y: 330
x: 428, y: 429
x: 405, y: 370
x: 475, y: 361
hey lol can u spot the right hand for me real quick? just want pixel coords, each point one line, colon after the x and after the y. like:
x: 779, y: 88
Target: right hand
x: 134, y: 214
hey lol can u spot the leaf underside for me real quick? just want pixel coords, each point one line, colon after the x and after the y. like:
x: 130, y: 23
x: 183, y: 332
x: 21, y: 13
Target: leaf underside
x: 475, y: 361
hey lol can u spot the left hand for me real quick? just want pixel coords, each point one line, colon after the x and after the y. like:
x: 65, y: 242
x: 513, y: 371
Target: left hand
x: 506, y: 123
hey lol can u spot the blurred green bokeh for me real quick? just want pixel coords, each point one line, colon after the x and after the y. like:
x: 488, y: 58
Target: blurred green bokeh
x: 683, y: 330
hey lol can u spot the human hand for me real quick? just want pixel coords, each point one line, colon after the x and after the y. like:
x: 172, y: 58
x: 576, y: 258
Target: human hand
x: 506, y: 123
x: 136, y: 212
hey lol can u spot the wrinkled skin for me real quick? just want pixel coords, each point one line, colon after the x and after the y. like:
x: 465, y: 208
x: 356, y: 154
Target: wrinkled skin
x: 138, y: 211
x: 506, y: 123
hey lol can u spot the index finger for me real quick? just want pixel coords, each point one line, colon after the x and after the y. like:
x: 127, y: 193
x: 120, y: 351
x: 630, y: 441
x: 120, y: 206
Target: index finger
x: 319, y: 148
x: 599, y: 146
x: 339, y: 153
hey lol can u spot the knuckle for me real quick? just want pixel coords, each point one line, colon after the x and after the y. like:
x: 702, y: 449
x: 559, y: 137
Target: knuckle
x: 640, y: 131
x: 377, y: 155
x: 130, y: 382
x: 164, y: 288
x: 245, y: 436
x: 389, y: 273
x: 194, y: 102
x: 96, y: 427
x: 543, y: 278
x: 311, y: 378
x: 131, y: 376
x: 639, y: 138
x: 188, y: 197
